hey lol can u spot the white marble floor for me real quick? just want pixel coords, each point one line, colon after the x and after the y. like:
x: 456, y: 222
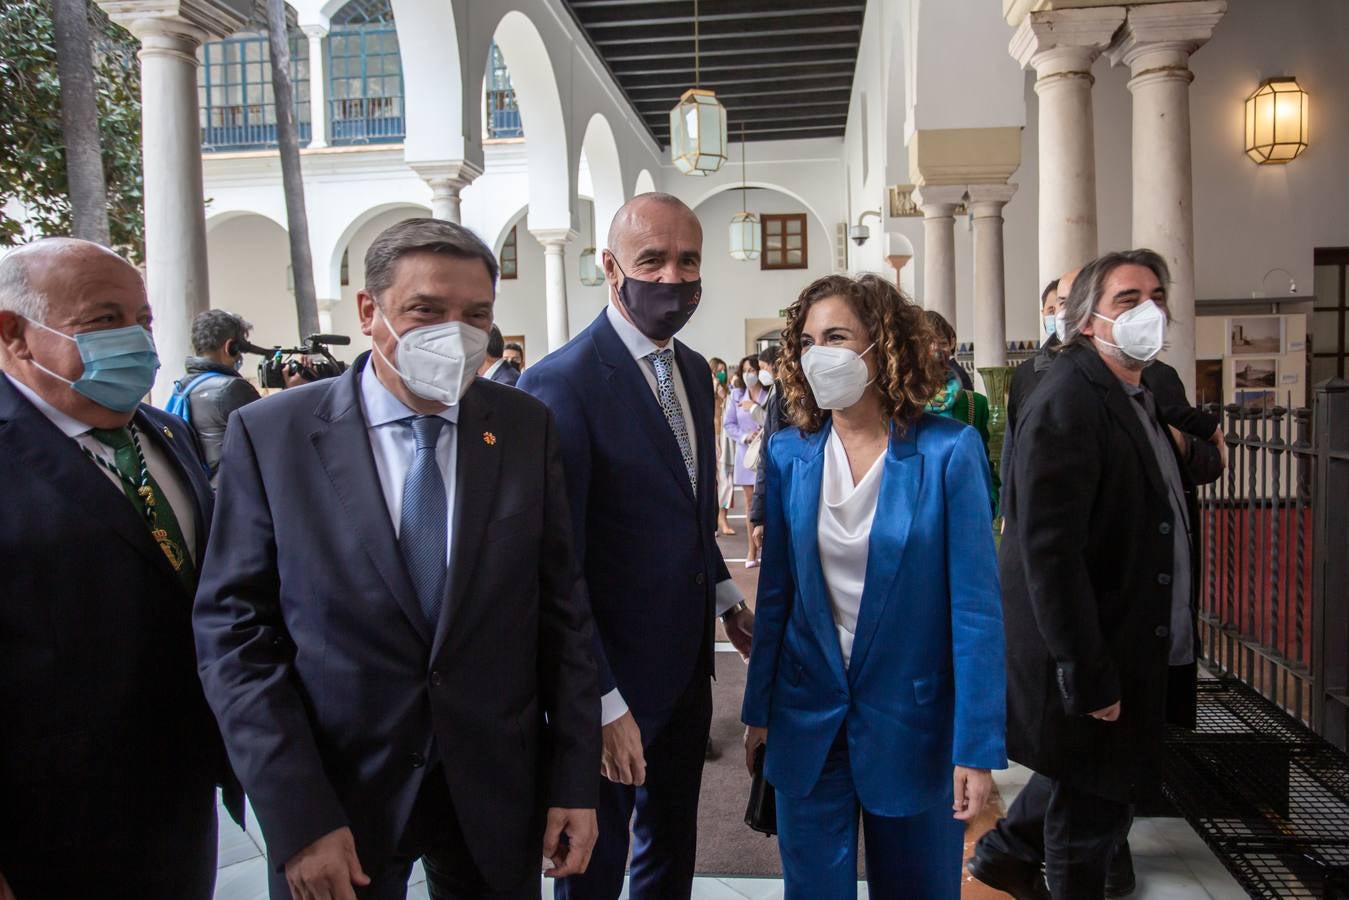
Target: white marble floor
x: 1171, y: 861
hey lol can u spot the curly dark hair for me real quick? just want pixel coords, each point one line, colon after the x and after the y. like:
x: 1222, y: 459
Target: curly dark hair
x: 908, y: 372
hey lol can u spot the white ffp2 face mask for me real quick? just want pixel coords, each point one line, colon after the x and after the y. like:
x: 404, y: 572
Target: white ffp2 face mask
x: 437, y: 362
x: 765, y: 379
x: 837, y: 376
x: 1140, y: 333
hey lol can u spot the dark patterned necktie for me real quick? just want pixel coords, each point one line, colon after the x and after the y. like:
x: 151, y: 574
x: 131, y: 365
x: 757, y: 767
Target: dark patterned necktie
x: 663, y: 362
x: 423, y: 524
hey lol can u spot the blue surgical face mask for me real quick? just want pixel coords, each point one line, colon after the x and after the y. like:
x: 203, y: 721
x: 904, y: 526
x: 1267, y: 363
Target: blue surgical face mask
x: 119, y: 365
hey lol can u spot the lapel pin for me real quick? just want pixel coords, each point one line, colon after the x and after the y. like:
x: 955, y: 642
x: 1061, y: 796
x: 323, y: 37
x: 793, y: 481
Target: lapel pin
x: 167, y: 433
x: 489, y: 439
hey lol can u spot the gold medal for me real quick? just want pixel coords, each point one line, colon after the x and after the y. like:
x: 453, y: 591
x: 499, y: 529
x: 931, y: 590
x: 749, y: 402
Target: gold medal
x: 147, y: 494
x: 171, y: 549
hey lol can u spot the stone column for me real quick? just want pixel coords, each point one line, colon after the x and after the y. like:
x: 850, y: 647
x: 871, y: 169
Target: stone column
x: 990, y: 290
x: 1156, y: 44
x: 447, y: 179
x: 938, y: 203
x: 555, y: 241
x: 170, y: 31
x: 318, y: 87
x: 1061, y: 46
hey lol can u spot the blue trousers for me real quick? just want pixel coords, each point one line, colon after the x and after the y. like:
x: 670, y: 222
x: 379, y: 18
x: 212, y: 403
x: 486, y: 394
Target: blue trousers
x: 663, y: 812
x: 908, y: 857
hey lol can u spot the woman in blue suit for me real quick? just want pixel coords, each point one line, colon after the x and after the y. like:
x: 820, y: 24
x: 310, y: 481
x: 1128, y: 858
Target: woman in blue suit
x: 876, y: 676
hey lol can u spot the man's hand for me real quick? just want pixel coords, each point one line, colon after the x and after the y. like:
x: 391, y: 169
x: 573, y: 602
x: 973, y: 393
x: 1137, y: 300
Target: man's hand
x: 740, y: 631
x: 5, y: 892
x: 296, y: 378
x: 1219, y: 440
x: 569, y: 857
x: 623, y: 761
x: 326, y: 869
x: 1178, y: 438
x: 973, y: 788
x: 1109, y: 714
x: 757, y: 535
x: 755, y: 737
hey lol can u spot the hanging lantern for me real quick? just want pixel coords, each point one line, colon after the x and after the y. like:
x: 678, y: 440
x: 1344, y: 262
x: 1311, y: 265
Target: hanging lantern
x: 746, y: 238
x: 1276, y: 121
x: 591, y: 273
x: 697, y: 124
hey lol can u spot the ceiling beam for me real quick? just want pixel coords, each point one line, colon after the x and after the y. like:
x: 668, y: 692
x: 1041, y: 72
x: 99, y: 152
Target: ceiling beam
x: 682, y: 13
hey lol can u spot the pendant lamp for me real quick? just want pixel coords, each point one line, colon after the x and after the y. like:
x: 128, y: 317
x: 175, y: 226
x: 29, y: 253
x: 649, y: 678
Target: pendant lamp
x: 746, y: 237
x: 697, y: 124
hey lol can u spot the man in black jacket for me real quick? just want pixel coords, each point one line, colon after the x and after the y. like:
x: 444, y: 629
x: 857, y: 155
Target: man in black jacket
x: 212, y: 382
x: 1098, y: 577
x: 109, y: 756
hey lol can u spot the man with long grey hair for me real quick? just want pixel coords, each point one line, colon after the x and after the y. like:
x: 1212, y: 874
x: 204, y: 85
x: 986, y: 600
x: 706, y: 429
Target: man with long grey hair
x: 1098, y: 593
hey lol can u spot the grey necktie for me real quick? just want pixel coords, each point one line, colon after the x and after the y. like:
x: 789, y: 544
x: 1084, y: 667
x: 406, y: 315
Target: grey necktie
x: 663, y: 362
x: 423, y: 530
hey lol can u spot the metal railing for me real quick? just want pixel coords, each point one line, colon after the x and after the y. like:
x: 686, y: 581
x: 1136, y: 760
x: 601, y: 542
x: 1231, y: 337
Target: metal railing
x: 1274, y: 598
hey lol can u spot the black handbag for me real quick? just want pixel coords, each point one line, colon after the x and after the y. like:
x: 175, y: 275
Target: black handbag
x: 762, y: 812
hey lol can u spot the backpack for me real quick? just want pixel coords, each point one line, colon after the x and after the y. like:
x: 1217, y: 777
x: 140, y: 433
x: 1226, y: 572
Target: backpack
x: 178, y: 404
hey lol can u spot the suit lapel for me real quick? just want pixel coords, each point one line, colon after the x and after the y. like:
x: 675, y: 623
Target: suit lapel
x: 699, y: 392
x: 630, y: 386
x: 900, y: 483
x: 45, y: 453
x: 190, y: 473
x: 1121, y: 406
x: 343, y: 449
x: 476, y: 470
x: 807, y: 478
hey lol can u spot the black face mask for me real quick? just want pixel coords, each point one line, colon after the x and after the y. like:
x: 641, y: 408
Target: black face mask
x: 658, y: 308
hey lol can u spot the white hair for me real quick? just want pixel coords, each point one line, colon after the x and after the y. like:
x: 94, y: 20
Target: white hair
x: 17, y: 294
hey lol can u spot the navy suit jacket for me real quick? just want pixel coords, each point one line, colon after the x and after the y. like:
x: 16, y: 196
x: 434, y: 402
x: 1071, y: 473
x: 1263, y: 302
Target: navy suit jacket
x: 925, y: 689
x: 335, y: 691
x: 643, y: 535
x: 98, y: 686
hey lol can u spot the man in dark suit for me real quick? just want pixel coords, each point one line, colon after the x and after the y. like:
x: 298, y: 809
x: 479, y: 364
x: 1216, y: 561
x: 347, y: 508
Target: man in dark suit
x: 774, y: 416
x: 1098, y: 564
x: 634, y: 408
x: 1029, y: 371
x: 390, y: 627
x: 495, y: 366
x: 109, y: 757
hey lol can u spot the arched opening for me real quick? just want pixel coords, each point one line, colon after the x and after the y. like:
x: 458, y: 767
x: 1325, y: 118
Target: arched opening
x: 343, y: 317
x: 645, y: 184
x: 599, y: 152
x: 365, y: 75
x: 249, y: 261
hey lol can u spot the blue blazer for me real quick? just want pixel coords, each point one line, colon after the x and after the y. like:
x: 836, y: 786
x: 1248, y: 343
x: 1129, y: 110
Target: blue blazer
x: 926, y: 686
x: 644, y: 537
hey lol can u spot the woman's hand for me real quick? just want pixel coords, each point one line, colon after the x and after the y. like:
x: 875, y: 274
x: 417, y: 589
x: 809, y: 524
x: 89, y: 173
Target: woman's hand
x: 747, y: 404
x: 755, y: 738
x: 973, y: 788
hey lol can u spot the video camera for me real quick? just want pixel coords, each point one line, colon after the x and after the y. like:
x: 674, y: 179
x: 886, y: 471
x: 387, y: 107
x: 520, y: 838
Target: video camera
x: 280, y: 361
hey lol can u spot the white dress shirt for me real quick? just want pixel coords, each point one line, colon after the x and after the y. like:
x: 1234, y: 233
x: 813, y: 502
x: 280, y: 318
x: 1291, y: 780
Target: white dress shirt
x: 640, y: 346
x: 164, y: 472
x: 393, y: 445
x: 846, y: 514
x: 493, y: 368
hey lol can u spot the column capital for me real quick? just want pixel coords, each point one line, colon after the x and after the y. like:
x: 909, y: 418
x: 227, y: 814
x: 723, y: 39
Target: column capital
x: 1160, y: 37
x: 939, y: 200
x: 315, y: 31
x: 196, y: 20
x: 1065, y: 41
x: 455, y: 174
x: 988, y: 199
x: 554, y: 237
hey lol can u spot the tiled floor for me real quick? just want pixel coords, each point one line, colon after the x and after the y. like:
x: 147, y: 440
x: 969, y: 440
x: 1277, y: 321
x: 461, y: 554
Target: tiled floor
x: 1172, y: 864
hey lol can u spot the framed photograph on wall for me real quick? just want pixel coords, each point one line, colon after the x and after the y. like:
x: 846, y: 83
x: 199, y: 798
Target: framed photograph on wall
x: 1255, y: 372
x: 1255, y: 336
x: 1256, y: 399
x: 1208, y: 381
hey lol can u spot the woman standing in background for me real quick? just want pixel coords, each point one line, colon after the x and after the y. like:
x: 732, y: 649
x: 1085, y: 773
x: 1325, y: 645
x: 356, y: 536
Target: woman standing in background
x: 739, y: 422
x: 721, y: 392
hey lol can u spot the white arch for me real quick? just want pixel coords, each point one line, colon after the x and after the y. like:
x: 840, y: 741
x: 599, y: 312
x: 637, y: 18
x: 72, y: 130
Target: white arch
x: 828, y: 239
x: 436, y: 117
x: 536, y: 93
x: 218, y: 217
x: 606, y: 175
x: 355, y: 225
x: 516, y: 218
x: 645, y: 184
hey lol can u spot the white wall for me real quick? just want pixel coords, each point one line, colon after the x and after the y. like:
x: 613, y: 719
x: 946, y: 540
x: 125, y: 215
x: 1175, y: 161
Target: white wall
x: 248, y: 256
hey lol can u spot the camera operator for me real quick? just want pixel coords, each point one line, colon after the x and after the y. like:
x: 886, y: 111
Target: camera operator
x: 212, y: 387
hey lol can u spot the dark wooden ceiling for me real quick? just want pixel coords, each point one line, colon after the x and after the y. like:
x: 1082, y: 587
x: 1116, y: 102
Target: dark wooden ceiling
x: 782, y: 68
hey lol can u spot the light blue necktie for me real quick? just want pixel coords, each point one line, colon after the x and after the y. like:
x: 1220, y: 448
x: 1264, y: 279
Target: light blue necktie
x: 663, y: 362
x: 423, y: 530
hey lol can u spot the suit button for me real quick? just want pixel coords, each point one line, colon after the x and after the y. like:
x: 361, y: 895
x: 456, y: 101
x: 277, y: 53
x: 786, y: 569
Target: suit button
x: 1162, y: 631
x: 436, y: 680
x: 417, y: 760
x: 1164, y: 528
x: 1163, y: 578
x: 700, y: 578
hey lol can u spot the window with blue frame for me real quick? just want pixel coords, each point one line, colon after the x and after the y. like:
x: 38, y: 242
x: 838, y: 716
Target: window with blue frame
x: 234, y: 91
x: 503, y: 116
x: 365, y: 75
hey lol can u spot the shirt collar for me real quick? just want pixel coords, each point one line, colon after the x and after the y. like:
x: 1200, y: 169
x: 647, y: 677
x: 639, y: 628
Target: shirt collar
x: 493, y: 368
x: 381, y: 407
x: 67, y: 425
x: 638, y: 344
